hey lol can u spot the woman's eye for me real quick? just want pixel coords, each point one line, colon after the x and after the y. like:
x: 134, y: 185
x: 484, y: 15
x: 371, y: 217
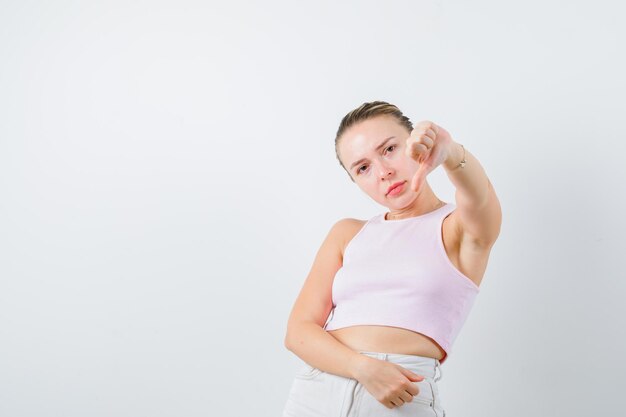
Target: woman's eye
x: 359, y: 170
x: 392, y: 146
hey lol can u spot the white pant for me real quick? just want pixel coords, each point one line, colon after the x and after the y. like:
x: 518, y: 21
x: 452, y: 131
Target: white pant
x: 315, y: 393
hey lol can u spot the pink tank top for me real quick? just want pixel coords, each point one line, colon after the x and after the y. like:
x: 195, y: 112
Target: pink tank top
x: 397, y: 273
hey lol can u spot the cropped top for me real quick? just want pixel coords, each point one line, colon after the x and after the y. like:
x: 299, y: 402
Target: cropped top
x: 397, y: 273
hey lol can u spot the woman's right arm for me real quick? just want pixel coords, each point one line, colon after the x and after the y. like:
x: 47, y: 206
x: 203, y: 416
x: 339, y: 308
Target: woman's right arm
x: 306, y: 337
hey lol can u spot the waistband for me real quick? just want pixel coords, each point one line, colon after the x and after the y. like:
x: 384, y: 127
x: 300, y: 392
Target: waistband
x: 422, y: 365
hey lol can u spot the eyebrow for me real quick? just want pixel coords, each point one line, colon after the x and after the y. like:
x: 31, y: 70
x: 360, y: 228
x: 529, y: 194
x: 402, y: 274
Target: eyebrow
x: 377, y: 148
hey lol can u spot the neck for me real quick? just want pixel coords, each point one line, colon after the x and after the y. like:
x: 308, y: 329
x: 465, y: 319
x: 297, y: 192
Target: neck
x: 416, y: 209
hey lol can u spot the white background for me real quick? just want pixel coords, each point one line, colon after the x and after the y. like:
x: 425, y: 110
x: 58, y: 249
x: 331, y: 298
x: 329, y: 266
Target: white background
x: 167, y: 174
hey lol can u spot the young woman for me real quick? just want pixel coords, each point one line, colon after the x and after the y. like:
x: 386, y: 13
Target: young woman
x: 399, y: 285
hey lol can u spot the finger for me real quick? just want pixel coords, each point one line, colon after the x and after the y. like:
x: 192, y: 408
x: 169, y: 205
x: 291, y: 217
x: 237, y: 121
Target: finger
x: 419, y: 148
x: 413, y: 389
x: 408, y: 149
x: 418, y: 178
x: 431, y: 133
x: 428, y: 141
x: 415, y: 149
x: 397, y: 402
x: 406, y: 397
x: 423, y: 125
x: 413, y: 377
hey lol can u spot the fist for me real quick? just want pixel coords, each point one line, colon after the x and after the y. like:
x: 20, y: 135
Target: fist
x: 429, y: 145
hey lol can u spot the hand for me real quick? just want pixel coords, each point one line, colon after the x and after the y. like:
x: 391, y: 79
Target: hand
x: 391, y: 384
x: 429, y: 145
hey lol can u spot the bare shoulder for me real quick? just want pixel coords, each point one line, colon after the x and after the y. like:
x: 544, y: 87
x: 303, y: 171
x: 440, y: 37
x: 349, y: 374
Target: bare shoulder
x: 347, y: 228
x: 314, y: 302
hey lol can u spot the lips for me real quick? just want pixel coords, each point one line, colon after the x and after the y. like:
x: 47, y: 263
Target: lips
x: 397, y: 184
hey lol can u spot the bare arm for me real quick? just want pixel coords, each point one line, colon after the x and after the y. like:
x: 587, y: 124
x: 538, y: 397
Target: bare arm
x: 478, y: 209
x: 319, y: 349
x: 306, y: 337
x: 389, y: 383
x: 480, y: 215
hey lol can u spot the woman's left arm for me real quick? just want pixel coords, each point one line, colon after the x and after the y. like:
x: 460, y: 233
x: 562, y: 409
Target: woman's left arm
x: 477, y: 204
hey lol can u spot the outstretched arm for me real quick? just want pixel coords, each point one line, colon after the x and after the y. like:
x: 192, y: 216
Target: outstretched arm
x: 476, y: 200
x: 479, y: 211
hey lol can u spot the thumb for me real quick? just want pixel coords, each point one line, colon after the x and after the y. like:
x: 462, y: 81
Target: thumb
x: 413, y: 376
x: 418, y: 178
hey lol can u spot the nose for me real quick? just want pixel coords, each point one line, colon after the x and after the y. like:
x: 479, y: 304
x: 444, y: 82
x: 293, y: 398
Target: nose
x: 385, y: 171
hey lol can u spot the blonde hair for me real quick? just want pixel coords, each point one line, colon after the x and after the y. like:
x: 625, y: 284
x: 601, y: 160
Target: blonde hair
x: 367, y: 111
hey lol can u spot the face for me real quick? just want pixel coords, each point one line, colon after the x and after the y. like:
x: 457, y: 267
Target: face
x: 373, y: 152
